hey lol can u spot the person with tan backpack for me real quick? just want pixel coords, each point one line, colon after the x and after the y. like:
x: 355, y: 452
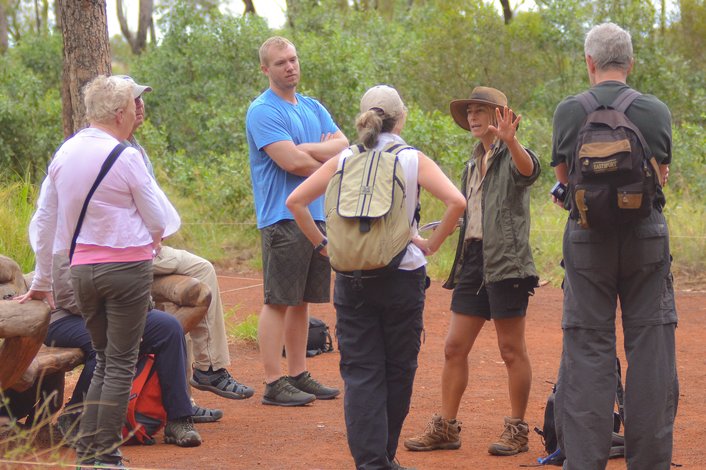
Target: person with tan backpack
x: 379, y: 303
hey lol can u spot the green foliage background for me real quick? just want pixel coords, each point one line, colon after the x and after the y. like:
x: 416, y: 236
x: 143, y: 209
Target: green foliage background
x: 205, y: 72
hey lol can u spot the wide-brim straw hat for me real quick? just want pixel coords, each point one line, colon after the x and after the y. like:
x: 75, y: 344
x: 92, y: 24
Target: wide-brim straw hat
x: 480, y: 95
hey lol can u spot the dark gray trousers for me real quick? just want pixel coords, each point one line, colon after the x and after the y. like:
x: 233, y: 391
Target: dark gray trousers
x: 378, y: 326
x: 630, y: 264
x: 113, y: 298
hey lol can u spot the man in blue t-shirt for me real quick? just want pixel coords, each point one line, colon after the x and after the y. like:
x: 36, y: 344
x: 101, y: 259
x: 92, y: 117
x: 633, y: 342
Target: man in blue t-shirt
x: 290, y: 136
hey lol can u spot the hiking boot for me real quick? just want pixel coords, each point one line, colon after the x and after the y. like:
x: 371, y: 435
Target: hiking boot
x: 281, y: 392
x: 306, y: 383
x: 440, y: 434
x: 182, y: 433
x: 513, y: 440
x: 221, y: 383
x: 205, y: 415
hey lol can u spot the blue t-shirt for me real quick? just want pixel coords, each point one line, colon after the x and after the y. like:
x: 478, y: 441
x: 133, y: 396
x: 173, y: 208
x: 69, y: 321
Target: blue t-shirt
x: 271, y: 119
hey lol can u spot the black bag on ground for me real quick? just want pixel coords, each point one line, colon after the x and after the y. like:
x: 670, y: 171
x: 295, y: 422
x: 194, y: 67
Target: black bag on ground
x: 555, y: 456
x: 319, y: 338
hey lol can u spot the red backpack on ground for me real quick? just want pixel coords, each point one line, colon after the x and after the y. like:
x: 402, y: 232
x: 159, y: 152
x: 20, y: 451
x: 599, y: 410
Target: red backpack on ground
x: 145, y: 411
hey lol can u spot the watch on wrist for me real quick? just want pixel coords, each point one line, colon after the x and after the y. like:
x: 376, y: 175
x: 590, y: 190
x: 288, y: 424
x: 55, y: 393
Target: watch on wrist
x: 321, y: 245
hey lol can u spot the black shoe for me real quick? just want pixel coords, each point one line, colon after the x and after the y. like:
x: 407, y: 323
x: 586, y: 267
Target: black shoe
x: 396, y: 466
x: 282, y: 393
x: 306, y: 383
x: 221, y: 383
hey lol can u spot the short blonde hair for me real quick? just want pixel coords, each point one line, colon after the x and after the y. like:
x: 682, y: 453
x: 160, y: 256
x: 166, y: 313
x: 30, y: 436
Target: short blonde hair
x: 275, y: 41
x: 104, y: 96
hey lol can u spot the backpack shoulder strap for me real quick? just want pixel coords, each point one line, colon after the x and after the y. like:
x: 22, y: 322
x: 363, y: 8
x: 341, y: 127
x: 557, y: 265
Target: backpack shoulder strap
x: 588, y: 101
x: 139, y: 381
x: 357, y: 148
x: 625, y: 99
x: 395, y: 149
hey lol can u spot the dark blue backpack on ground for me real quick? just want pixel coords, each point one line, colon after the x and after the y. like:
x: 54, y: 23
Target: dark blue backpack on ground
x: 555, y: 456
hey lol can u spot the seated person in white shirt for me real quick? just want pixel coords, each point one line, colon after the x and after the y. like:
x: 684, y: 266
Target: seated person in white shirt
x: 208, y: 339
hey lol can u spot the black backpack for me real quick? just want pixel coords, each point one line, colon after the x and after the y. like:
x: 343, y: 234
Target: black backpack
x: 613, y: 177
x: 555, y: 456
x: 319, y: 340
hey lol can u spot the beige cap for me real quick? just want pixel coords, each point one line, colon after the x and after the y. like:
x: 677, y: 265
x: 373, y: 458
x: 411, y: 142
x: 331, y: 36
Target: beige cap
x: 384, y: 98
x: 137, y: 90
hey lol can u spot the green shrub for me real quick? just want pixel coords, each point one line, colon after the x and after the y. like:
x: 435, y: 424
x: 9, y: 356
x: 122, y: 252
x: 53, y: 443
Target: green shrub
x: 15, y: 214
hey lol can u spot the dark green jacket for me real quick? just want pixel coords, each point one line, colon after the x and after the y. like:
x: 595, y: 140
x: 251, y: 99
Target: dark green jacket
x: 506, y: 219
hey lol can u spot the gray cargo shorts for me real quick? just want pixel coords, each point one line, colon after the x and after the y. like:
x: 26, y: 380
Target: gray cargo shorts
x: 293, y: 273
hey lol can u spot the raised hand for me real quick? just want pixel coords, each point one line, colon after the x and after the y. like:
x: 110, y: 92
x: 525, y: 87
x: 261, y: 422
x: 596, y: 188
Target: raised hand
x: 507, y: 127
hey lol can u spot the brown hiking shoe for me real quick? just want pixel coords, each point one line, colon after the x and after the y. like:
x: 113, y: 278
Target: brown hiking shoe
x: 513, y: 440
x: 440, y: 434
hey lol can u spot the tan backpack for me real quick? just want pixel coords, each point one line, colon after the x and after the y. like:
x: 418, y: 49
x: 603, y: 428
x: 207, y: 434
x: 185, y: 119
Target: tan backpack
x: 367, y: 224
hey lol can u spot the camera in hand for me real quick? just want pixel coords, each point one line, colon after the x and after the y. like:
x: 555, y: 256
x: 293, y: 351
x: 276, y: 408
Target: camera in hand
x: 558, y: 191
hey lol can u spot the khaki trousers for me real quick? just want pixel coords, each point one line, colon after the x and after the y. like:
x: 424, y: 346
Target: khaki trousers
x: 209, y: 344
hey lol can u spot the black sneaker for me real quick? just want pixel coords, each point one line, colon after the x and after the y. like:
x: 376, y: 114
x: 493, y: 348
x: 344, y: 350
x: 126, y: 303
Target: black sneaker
x: 221, y: 383
x: 205, y: 415
x: 306, y: 383
x: 282, y: 393
x: 182, y: 433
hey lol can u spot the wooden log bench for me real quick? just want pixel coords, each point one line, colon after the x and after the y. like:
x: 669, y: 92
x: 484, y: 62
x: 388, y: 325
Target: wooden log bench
x: 32, y: 374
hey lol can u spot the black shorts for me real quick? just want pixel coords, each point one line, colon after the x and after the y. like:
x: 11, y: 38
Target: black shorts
x: 293, y: 272
x: 504, y: 299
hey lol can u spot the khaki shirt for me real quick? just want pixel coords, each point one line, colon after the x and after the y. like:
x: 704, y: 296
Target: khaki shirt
x: 474, y: 197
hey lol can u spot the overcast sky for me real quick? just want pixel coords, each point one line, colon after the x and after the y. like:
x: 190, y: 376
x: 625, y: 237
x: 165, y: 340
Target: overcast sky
x: 272, y: 10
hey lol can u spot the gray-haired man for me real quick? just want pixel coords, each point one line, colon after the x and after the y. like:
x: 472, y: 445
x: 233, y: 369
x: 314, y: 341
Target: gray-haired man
x: 630, y: 262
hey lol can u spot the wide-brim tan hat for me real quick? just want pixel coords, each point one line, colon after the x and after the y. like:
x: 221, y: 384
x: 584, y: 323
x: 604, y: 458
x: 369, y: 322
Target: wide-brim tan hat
x: 480, y: 95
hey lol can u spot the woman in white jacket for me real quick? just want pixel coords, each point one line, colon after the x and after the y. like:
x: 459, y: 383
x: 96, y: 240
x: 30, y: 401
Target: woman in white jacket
x: 111, y: 267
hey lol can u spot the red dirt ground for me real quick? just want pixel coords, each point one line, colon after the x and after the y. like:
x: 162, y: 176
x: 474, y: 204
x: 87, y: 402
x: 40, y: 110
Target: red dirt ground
x: 254, y: 436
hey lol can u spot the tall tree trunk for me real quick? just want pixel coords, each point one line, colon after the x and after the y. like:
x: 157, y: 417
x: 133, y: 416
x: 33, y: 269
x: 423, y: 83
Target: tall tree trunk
x: 663, y: 17
x: 57, y: 14
x: 292, y: 11
x: 153, y: 34
x: 4, y: 42
x: 86, y: 55
x: 507, y: 11
x: 137, y: 41
x: 45, y: 15
x: 38, y: 20
x: 249, y: 7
